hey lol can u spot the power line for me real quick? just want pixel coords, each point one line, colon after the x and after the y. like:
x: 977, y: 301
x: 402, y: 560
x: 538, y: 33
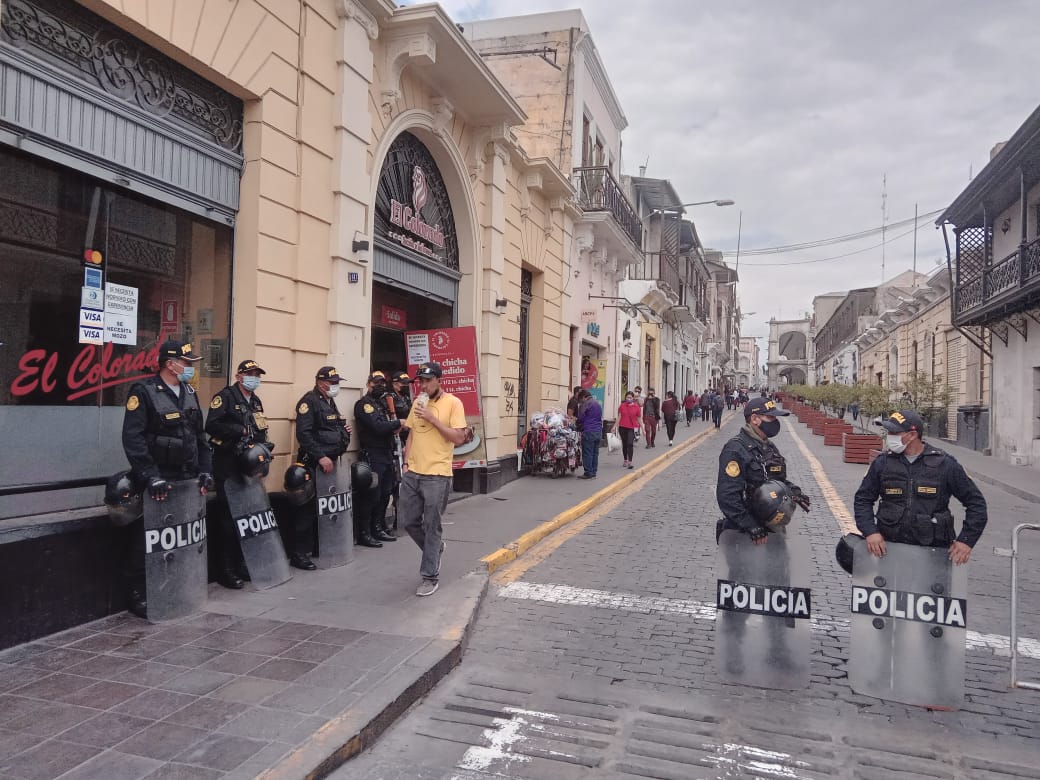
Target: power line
x: 835, y: 239
x: 833, y: 257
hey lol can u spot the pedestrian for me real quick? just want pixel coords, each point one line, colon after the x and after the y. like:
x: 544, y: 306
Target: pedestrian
x: 670, y: 413
x: 436, y: 424
x: 323, y: 435
x: 629, y: 420
x: 638, y: 396
x: 235, y: 422
x: 705, y: 405
x: 914, y: 482
x: 689, y: 406
x: 716, y: 409
x: 164, y: 440
x: 746, y: 461
x: 574, y: 402
x: 590, y: 423
x: 377, y: 432
x: 651, y: 417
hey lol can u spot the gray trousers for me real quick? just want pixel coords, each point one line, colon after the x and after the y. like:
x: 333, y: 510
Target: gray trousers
x: 424, y: 497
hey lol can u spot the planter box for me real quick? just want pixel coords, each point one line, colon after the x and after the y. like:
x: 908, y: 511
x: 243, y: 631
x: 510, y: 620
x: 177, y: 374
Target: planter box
x: 834, y: 433
x: 860, y: 447
x: 820, y: 423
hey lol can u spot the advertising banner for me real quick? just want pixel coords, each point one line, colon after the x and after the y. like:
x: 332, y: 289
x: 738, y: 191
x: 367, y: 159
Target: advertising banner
x: 594, y: 378
x: 456, y: 350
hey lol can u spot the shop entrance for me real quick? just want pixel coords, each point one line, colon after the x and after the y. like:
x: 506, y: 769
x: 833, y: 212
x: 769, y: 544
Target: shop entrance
x: 395, y: 311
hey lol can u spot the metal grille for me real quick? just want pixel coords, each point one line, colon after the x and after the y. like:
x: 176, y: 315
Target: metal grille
x: 1002, y: 276
x: 974, y: 250
x: 598, y: 190
x: 1031, y: 259
x: 411, y: 183
x: 526, y: 284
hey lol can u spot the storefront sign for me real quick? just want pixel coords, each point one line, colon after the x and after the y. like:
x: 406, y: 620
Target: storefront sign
x: 393, y: 317
x: 89, y: 335
x: 92, y: 369
x: 89, y: 318
x: 594, y: 377
x: 587, y: 316
x: 120, y: 314
x: 92, y: 298
x: 169, y: 314
x: 412, y: 206
x: 456, y: 350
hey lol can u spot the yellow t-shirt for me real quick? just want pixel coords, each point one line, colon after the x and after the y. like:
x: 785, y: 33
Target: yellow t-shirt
x: 428, y: 451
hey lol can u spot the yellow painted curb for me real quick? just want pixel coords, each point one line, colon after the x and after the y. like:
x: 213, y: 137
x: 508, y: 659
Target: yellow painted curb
x: 516, y: 548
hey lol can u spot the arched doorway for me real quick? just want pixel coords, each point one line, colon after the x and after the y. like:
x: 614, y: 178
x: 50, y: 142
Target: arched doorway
x: 416, y: 268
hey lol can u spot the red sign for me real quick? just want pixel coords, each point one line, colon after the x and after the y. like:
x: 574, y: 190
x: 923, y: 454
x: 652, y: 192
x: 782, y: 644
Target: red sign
x: 169, y: 313
x: 91, y: 370
x: 392, y: 317
x: 456, y: 350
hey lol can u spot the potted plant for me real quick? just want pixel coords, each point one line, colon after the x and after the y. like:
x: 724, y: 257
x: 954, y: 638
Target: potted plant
x: 870, y: 402
x: 930, y: 397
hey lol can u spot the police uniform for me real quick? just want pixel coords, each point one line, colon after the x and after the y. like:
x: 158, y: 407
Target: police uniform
x: 914, y: 498
x: 163, y: 439
x: 746, y: 461
x: 232, y: 421
x: 379, y: 440
x: 321, y: 433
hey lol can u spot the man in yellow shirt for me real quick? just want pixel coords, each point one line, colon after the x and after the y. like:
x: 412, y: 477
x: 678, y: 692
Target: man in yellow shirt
x: 437, y: 423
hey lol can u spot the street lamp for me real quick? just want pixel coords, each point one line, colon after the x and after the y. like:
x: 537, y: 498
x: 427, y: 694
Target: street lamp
x: 720, y: 202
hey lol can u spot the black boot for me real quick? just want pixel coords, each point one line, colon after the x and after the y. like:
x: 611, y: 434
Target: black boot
x: 301, y: 561
x: 380, y: 533
x: 137, y: 601
x: 364, y: 540
x: 229, y: 579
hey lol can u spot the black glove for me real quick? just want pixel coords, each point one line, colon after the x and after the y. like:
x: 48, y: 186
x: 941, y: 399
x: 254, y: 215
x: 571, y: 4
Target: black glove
x: 159, y: 489
x: 758, y: 532
x: 800, y: 498
x: 206, y: 481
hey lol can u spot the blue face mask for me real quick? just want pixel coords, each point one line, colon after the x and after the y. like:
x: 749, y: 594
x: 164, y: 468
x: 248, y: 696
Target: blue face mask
x: 250, y: 383
x: 187, y: 374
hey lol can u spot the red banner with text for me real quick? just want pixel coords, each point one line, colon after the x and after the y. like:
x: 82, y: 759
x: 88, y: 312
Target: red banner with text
x: 456, y: 350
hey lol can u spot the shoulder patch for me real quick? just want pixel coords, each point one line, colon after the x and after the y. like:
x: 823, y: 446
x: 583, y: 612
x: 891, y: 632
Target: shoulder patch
x: 216, y: 403
x: 303, y: 408
x: 369, y: 408
x: 132, y: 403
x: 732, y: 469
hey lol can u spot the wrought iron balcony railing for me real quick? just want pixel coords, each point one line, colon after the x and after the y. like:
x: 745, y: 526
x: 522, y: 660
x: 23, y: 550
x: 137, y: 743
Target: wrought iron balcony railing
x: 598, y: 190
x: 661, y: 268
x: 998, y: 282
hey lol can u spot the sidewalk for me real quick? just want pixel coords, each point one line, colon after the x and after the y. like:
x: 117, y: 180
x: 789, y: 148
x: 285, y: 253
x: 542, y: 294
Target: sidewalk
x: 284, y: 683
x: 1021, y: 481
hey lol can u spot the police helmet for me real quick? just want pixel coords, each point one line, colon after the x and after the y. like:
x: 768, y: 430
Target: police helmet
x: 362, y: 476
x: 299, y: 484
x: 843, y: 552
x: 123, y: 499
x: 771, y: 504
x: 254, y: 460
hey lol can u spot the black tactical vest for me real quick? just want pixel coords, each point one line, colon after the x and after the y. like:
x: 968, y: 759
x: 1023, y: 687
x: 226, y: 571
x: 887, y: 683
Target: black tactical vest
x: 767, y: 463
x: 172, y: 431
x: 913, y: 507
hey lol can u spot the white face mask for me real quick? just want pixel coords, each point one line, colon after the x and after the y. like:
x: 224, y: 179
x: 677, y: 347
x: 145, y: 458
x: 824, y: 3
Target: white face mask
x: 333, y: 391
x: 894, y: 442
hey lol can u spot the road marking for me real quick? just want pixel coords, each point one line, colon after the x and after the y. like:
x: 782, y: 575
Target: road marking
x: 846, y: 523
x: 699, y: 610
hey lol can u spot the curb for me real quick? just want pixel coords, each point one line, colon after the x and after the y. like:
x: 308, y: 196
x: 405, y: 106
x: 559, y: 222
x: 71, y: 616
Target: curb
x: 505, y: 555
x: 352, y: 732
x: 1018, y: 492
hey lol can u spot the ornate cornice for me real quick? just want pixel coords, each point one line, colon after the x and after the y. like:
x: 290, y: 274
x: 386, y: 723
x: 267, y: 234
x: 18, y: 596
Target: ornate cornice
x: 399, y: 53
x: 354, y: 11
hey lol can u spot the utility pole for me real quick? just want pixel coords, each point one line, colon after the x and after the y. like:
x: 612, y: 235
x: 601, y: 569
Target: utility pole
x: 740, y: 224
x: 884, y: 220
x: 915, y: 245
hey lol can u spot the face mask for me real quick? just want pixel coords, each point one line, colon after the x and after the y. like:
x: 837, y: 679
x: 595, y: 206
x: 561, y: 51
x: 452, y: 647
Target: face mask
x: 333, y: 391
x: 770, y: 429
x: 250, y: 383
x: 894, y: 442
x: 187, y: 374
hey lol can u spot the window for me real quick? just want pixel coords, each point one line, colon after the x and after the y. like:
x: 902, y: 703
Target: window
x: 61, y: 401
x: 1036, y: 403
x: 586, y: 141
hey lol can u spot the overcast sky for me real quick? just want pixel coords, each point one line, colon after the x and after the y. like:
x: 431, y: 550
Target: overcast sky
x: 797, y: 109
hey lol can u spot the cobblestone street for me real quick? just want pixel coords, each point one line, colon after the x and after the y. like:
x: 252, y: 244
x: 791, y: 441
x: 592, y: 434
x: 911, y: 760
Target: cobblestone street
x: 597, y: 660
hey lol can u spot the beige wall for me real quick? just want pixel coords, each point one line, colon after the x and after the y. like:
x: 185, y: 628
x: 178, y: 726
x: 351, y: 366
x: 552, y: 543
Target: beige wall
x: 318, y: 123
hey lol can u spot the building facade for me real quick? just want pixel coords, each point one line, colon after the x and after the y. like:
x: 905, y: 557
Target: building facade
x: 199, y: 171
x: 992, y: 230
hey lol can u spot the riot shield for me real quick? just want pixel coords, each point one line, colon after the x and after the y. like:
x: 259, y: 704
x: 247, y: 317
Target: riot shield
x: 175, y: 566
x: 257, y: 530
x: 335, y: 517
x: 909, y: 622
x: 763, y: 610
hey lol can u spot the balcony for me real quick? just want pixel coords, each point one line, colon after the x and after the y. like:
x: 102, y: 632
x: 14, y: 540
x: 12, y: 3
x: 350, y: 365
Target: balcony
x: 661, y: 268
x: 598, y: 192
x: 1009, y: 285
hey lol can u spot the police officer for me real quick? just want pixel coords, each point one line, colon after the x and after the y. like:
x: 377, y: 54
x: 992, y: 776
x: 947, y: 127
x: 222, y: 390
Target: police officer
x: 324, y: 435
x: 746, y: 461
x: 401, y: 385
x: 235, y: 420
x: 164, y: 440
x: 914, y: 481
x: 378, y: 434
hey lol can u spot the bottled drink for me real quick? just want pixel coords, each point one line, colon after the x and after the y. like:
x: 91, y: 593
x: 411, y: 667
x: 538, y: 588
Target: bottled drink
x: 422, y: 399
